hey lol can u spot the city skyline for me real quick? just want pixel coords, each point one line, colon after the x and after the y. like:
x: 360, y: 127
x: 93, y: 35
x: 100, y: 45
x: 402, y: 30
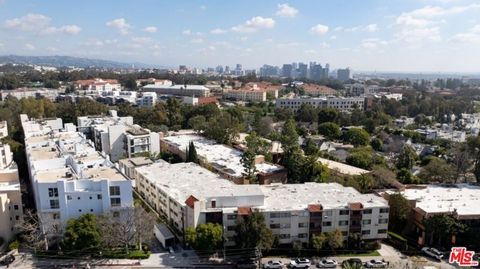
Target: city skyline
x: 401, y: 36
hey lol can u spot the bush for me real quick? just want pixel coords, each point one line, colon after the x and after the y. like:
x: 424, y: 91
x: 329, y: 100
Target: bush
x: 138, y: 254
x: 13, y: 245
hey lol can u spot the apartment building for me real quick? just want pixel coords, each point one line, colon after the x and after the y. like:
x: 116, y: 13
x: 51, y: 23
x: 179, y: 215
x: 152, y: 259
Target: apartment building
x: 177, y: 90
x: 148, y: 99
x: 69, y: 177
x: 457, y: 200
x: 189, y: 195
x: 21, y: 93
x: 11, y: 209
x: 343, y: 104
x: 118, y: 136
x: 97, y: 85
x: 246, y: 95
x: 221, y: 158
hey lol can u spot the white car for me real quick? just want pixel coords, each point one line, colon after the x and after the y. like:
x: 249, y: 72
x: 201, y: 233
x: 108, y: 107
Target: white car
x: 273, y: 265
x: 376, y: 264
x: 300, y: 263
x: 433, y: 253
x: 327, y: 264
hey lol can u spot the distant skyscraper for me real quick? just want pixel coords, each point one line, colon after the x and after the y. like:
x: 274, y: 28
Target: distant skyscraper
x: 326, y: 70
x: 302, y: 70
x: 268, y: 71
x: 227, y: 69
x: 219, y: 69
x: 238, y: 67
x: 344, y: 74
x: 316, y: 72
x: 287, y: 70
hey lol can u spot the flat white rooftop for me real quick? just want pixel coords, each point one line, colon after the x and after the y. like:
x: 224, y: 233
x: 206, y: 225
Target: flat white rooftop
x: 464, y: 198
x: 219, y: 155
x: 342, y: 168
x: 181, y: 180
x: 286, y: 197
x: 176, y: 87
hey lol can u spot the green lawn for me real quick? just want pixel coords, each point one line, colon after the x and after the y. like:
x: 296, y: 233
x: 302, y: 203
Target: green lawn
x: 373, y: 253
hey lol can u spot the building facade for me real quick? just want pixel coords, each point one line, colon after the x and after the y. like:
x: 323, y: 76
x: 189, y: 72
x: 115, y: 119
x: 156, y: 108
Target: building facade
x: 343, y: 104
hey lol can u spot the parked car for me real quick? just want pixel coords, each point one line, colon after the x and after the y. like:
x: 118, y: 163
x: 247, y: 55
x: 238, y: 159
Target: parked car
x: 327, y: 264
x: 433, y: 253
x: 353, y: 262
x: 7, y: 260
x: 300, y: 263
x: 376, y: 264
x: 273, y: 265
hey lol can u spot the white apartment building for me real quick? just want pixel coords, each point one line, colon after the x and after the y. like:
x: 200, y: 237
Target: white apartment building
x: 343, y: 104
x: 177, y: 90
x: 11, y: 209
x: 118, y: 136
x: 97, y: 85
x: 69, y: 177
x: 148, y: 99
x: 246, y: 95
x: 189, y: 195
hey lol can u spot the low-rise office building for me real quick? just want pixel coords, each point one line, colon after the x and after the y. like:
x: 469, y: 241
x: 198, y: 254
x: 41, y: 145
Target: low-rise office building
x: 37, y: 93
x: 69, y: 177
x: 97, y: 85
x: 147, y: 99
x: 178, y: 90
x: 189, y: 195
x: 343, y: 104
x: 11, y: 208
x: 221, y: 158
x: 118, y: 136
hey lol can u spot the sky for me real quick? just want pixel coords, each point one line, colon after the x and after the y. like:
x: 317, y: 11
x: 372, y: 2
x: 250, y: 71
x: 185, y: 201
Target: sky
x: 366, y: 35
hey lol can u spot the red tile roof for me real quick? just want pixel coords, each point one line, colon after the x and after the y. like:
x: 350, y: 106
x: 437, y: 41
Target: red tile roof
x: 355, y: 206
x: 190, y: 202
x: 315, y: 208
x: 244, y: 211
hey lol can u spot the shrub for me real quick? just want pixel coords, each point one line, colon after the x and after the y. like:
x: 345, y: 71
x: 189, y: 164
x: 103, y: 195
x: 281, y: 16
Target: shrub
x: 13, y: 245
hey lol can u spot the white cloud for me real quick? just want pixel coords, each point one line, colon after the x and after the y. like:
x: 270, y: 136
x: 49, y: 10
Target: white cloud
x: 319, y: 29
x: 371, y: 28
x: 254, y: 24
x: 471, y: 36
x: 286, y: 11
x: 203, y: 7
x: 197, y: 40
x: 218, y: 31
x: 372, y: 43
x: 360, y: 28
x: 29, y: 46
x: 287, y: 45
x: 150, y: 29
x: 417, y: 35
x: 120, y: 24
x: 310, y: 52
x: 39, y: 23
x: 187, y: 32
x: 141, y: 40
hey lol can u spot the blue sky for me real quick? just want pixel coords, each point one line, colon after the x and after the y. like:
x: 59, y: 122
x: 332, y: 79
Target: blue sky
x: 381, y: 35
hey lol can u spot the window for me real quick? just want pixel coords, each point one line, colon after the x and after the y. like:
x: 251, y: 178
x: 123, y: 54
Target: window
x: 367, y: 211
x: 279, y: 215
x: 231, y: 217
x: 275, y: 226
x: 78, y: 198
x: 56, y: 216
x: 114, y: 202
x: 90, y: 197
x: 344, y: 212
x: 344, y: 233
x: 366, y: 232
x: 366, y: 222
x: 17, y: 217
x: 285, y: 225
x: 79, y: 210
x: 327, y: 223
x: 328, y: 213
x: 384, y: 210
x: 284, y: 236
x: 302, y: 225
x: 343, y: 223
x: 99, y: 196
x: 15, y: 207
x: 54, y: 204
x: 383, y: 221
x: 114, y: 190
x: 230, y: 228
x: 69, y: 197
x: 52, y: 192
x: 302, y: 235
x: 382, y: 231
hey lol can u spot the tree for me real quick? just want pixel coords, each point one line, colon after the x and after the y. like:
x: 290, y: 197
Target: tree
x: 173, y: 112
x: 289, y: 136
x: 441, y: 227
x: 82, y: 234
x: 406, y: 158
x: 34, y: 236
x: 223, y: 128
x: 258, y: 145
x: 311, y: 147
x: 248, y: 162
x: 437, y: 170
x: 376, y: 144
x: 307, y: 113
x: 357, y: 137
x: 330, y: 130
x: 207, y: 237
x: 474, y: 147
x: 365, y: 182
x: 252, y: 232
x: 400, y: 210
x: 327, y: 115
x: 197, y: 123
x: 191, y: 153
x: 460, y: 159
x: 318, y: 241
x: 335, y: 239
x: 144, y: 225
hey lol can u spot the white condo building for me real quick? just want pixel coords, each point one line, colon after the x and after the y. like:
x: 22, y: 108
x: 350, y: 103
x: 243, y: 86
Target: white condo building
x: 118, y: 136
x: 343, y: 104
x: 69, y: 177
x: 189, y: 195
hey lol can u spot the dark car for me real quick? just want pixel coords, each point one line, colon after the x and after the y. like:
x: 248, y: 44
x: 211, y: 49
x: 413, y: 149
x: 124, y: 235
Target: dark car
x: 7, y: 260
x: 353, y: 262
